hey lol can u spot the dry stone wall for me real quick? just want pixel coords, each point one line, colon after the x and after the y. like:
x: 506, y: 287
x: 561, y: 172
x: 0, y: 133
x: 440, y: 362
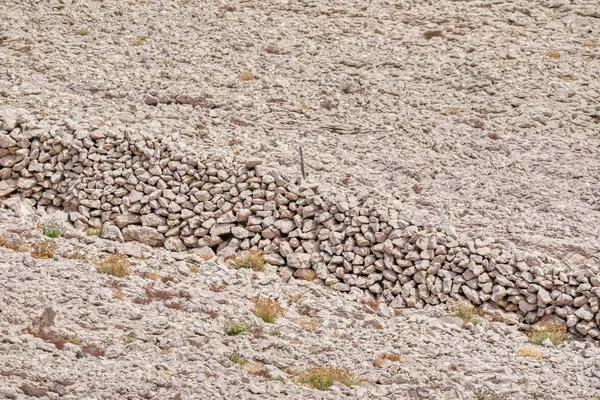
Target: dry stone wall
x: 160, y: 193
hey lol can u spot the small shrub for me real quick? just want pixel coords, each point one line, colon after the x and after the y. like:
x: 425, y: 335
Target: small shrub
x: 118, y: 294
x: 93, y: 350
x: 253, y: 260
x: 467, y: 312
x: 94, y: 231
x: 553, y: 54
x: 167, y: 279
x: 139, y: 40
x: 309, y: 324
x: 234, y: 328
x: 194, y: 269
x: 114, y: 264
x: 307, y: 310
x: 83, y: 32
x: 47, y: 336
x: 175, y: 305
x: 555, y: 333
x: 487, y: 394
x: 142, y: 300
x: 73, y: 339
x: 53, y: 229
x: 393, y: 357
x: 15, y: 245
x: 267, y: 309
x: 247, y: 76
x: 44, y: 249
x: 236, y: 358
x: 212, y: 314
x: 529, y: 351
x: 149, y: 275
x: 321, y: 378
x: 276, y: 332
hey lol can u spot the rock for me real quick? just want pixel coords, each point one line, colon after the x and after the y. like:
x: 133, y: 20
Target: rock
x: 33, y: 391
x: 448, y: 320
x: 143, y: 234
x: 111, y: 232
x: 204, y: 252
x: 298, y: 260
x: 305, y: 274
x: 173, y: 243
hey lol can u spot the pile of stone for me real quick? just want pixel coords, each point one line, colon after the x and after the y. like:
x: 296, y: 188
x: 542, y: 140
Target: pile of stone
x: 159, y: 193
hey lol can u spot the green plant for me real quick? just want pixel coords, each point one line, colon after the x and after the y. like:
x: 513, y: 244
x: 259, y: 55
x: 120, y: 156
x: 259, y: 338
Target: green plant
x: 236, y: 358
x: 267, y: 309
x: 467, y: 312
x: 276, y: 332
x: 487, y: 394
x: 139, y: 40
x: 322, y: 378
x: 53, y: 229
x: 114, y: 264
x: 253, y: 260
x: 94, y: 231
x: 234, y: 328
x: 555, y: 333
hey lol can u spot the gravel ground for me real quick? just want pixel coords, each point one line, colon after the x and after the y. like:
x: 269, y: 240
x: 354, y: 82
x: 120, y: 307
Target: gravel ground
x: 116, y: 346
x: 487, y: 109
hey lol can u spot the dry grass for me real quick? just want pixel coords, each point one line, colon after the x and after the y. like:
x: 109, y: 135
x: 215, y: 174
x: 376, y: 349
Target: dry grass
x: 139, y: 40
x: 215, y: 287
x: 296, y: 297
x: 309, y: 324
x: 94, y: 231
x: 114, y: 264
x: 267, y: 309
x: 452, y: 111
x: 118, y: 294
x: 253, y: 260
x: 529, y: 351
x: 321, y: 378
x: 553, y: 54
x: 467, y: 312
x: 591, y: 45
x: 487, y: 394
x: 194, y: 269
x: 247, y: 76
x: 15, y: 245
x: 393, y: 357
x: 555, y: 333
x: 44, y: 249
x: 83, y: 32
x: 370, y: 302
x: 75, y: 255
x: 234, y: 328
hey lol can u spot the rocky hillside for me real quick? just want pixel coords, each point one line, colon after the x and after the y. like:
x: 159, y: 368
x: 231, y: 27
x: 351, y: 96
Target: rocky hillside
x: 179, y: 326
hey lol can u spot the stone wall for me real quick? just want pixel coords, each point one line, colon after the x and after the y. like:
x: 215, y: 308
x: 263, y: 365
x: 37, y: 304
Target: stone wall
x: 160, y: 193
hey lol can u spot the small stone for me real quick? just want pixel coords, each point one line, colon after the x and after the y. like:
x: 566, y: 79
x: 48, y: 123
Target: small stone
x: 299, y: 260
x: 448, y: 320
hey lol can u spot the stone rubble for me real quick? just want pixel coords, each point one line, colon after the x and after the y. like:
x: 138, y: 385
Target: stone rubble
x: 151, y: 351
x: 138, y: 188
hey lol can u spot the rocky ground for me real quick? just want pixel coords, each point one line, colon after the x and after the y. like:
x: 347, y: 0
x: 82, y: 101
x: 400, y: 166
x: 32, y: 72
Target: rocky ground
x: 174, y: 346
x: 488, y: 109
x: 484, y: 113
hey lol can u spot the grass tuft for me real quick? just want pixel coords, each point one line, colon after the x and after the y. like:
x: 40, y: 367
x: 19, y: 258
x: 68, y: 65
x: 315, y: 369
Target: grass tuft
x: 267, y: 309
x: 114, y: 264
x: 393, y: 357
x: 253, y: 260
x: 529, y: 351
x: 553, y: 54
x: 236, y: 358
x: 44, y: 249
x: 322, y: 378
x: 555, y: 333
x: 246, y: 76
x: 15, y: 245
x: 234, y: 328
x: 94, y: 231
x: 467, y: 312
x: 139, y: 40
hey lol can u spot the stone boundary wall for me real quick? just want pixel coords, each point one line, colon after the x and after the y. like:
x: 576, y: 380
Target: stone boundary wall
x: 160, y: 194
